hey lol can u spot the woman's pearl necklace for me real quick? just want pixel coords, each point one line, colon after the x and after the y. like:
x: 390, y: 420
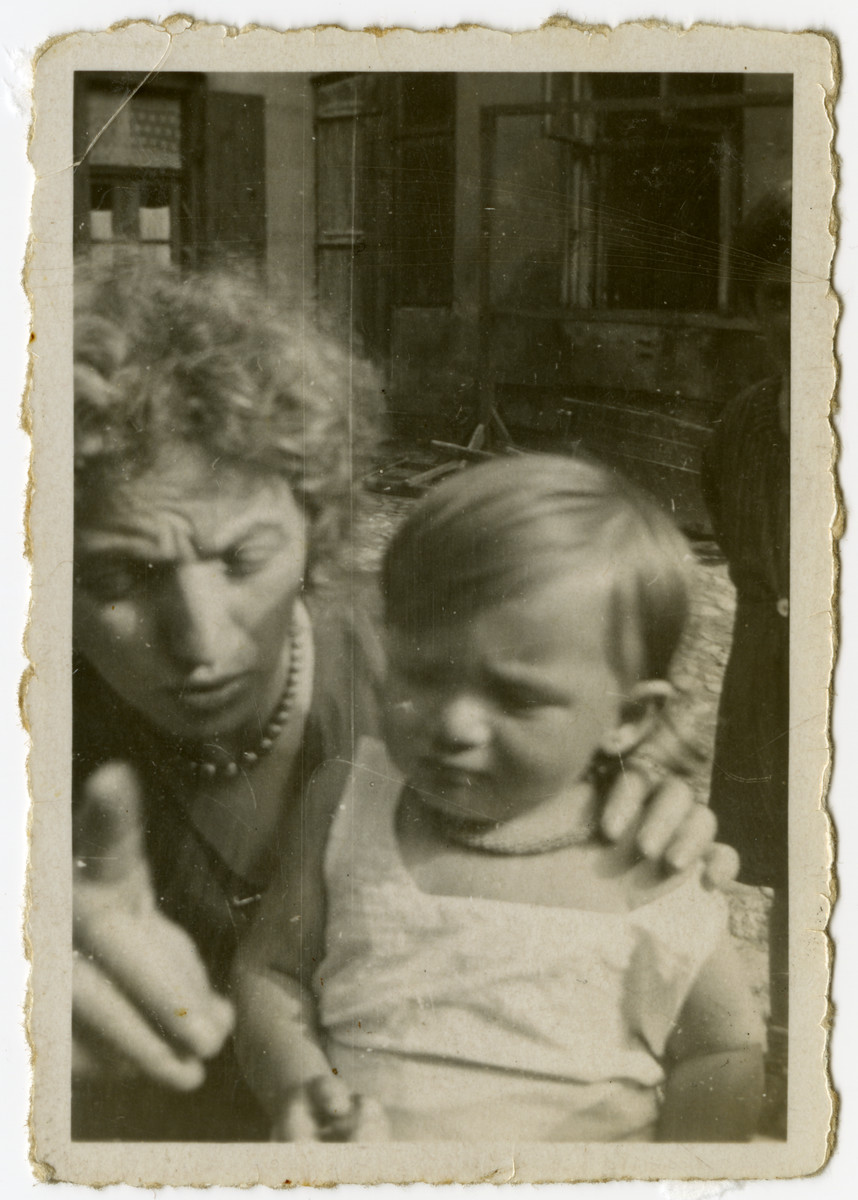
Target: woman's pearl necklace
x: 228, y: 768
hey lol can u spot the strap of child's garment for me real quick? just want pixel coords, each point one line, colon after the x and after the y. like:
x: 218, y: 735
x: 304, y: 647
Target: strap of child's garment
x: 690, y: 919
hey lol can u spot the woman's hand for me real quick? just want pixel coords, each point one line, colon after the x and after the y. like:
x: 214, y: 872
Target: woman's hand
x: 142, y: 1000
x: 324, y: 1110
x: 652, y: 792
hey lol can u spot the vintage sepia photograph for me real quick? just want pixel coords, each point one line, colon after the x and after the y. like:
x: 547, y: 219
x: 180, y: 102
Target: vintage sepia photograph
x: 438, y: 552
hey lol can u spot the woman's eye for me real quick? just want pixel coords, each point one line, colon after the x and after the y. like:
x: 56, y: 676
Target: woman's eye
x: 246, y: 560
x: 116, y: 581
x: 415, y: 678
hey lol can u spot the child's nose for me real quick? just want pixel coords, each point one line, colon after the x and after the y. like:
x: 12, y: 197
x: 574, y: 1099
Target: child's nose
x: 463, y: 723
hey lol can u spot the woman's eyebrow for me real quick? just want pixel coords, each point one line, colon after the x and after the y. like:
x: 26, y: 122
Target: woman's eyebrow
x: 233, y: 539
x: 241, y: 534
x: 116, y: 544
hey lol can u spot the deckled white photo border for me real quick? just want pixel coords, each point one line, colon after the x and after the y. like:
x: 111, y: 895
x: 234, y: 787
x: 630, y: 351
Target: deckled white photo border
x: 143, y: 48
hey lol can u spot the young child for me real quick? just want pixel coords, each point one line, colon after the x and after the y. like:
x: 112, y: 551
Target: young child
x: 452, y: 952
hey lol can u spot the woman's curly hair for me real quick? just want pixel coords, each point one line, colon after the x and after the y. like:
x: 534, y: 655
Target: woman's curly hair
x: 211, y: 360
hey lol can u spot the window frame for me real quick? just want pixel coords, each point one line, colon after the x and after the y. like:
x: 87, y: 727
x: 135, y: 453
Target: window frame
x: 182, y: 86
x: 576, y: 125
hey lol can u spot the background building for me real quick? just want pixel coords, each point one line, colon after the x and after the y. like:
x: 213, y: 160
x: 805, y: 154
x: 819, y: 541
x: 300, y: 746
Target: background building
x: 553, y: 248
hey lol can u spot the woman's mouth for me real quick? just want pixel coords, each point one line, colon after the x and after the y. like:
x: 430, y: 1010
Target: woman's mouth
x: 210, y: 695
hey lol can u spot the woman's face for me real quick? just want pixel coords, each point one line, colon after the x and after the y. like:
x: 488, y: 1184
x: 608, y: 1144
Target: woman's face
x: 185, y: 582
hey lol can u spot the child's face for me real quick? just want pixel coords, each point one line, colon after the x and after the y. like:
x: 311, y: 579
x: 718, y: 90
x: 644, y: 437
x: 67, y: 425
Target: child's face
x: 493, y: 714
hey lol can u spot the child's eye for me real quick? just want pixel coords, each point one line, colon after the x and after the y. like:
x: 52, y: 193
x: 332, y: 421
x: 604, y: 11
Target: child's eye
x: 518, y: 699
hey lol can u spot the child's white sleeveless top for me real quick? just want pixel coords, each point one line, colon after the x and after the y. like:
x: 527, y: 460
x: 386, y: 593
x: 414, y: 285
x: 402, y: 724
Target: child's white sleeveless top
x: 479, y: 1020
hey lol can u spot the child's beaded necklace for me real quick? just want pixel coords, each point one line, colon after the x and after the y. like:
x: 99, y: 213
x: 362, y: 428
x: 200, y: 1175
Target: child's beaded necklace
x: 508, y: 837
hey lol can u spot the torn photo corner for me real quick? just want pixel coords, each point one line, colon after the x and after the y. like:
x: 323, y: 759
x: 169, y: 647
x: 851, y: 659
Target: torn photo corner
x: 433, y: 524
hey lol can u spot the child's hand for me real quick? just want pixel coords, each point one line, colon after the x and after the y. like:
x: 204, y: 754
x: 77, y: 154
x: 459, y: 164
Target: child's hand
x: 324, y: 1110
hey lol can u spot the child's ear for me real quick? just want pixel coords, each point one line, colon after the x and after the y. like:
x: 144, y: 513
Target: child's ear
x: 640, y: 713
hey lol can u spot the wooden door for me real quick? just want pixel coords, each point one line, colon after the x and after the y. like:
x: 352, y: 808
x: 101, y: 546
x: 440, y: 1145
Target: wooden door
x: 354, y: 207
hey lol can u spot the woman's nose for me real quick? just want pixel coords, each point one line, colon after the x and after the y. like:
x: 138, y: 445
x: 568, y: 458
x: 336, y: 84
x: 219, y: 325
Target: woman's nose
x: 195, y: 616
x: 462, y: 724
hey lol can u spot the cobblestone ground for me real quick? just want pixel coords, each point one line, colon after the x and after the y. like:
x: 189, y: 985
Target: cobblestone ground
x: 697, y: 675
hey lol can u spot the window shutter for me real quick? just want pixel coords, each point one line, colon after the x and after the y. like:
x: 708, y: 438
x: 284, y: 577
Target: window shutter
x: 231, y: 178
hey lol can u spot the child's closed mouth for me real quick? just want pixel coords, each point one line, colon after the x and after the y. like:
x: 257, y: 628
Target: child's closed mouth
x: 453, y: 771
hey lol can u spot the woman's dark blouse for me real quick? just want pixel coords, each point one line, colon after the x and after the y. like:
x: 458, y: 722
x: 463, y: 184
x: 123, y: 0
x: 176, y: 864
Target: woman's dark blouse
x: 746, y: 486
x: 193, y: 885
